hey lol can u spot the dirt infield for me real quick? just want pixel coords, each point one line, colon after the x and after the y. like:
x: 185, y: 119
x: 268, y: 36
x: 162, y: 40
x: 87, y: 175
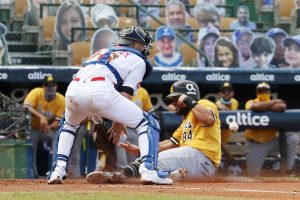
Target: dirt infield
x: 245, y: 188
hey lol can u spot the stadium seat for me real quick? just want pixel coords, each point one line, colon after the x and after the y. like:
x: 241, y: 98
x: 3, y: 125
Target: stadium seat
x: 225, y: 22
x: 126, y: 11
x: 89, y: 24
x: 19, y: 10
x: 126, y: 21
x: 46, y: 29
x: 78, y: 52
x: 189, y: 55
x: 283, y: 10
x: 192, y: 2
x: 162, y: 9
x: 153, y: 24
x: 194, y: 24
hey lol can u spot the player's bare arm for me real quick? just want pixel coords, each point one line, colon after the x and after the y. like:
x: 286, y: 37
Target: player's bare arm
x: 130, y: 148
x: 43, y: 119
x: 278, y: 106
x: 204, y: 115
x: 133, y: 149
x: 262, y: 106
x: 54, y: 125
x: 165, y: 145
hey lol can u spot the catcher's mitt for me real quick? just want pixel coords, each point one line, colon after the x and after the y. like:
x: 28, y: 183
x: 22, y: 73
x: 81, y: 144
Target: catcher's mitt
x: 101, y: 137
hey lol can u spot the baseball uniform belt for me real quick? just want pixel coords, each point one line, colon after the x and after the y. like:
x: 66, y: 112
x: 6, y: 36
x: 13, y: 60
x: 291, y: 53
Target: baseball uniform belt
x: 99, y: 78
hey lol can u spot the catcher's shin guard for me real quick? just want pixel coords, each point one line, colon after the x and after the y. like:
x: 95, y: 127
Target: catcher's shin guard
x: 149, y: 131
x: 66, y: 137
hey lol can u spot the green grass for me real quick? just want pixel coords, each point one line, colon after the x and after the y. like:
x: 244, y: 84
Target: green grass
x: 100, y: 196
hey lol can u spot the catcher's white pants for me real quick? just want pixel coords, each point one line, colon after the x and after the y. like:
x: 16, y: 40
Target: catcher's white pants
x: 86, y: 98
x: 99, y: 98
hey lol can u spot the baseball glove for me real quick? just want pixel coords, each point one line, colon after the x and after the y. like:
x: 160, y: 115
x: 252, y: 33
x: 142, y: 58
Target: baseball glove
x: 101, y: 137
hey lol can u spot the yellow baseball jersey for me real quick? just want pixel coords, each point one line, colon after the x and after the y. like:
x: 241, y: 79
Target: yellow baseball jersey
x: 142, y: 99
x: 259, y: 135
x: 52, y: 110
x: 225, y: 133
x: 194, y: 134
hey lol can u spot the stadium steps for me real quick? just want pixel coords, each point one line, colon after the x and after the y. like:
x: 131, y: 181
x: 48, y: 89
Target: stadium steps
x: 18, y: 46
x: 18, y: 58
x: 13, y: 36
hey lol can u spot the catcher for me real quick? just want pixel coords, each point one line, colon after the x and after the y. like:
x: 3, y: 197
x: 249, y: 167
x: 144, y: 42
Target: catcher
x: 103, y: 87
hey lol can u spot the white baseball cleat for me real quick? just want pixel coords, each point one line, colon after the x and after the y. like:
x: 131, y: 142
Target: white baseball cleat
x: 57, y: 176
x: 151, y: 177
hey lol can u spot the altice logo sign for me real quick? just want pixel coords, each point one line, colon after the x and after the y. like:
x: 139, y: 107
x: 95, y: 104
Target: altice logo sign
x: 248, y: 119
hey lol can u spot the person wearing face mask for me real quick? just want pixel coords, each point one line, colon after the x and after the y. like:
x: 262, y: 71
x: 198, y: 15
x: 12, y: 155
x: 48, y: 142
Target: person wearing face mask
x: 227, y: 102
x: 262, y: 142
x: 46, y: 106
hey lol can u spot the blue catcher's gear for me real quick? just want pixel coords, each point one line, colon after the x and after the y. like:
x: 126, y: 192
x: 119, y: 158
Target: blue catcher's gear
x: 153, y: 132
x: 59, y: 167
x: 105, y: 61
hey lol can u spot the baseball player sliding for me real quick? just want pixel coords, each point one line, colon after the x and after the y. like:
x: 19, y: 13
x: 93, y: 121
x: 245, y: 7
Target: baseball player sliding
x: 103, y: 87
x: 194, y: 146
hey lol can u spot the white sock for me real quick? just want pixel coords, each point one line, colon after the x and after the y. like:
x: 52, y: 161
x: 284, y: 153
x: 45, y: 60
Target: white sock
x: 65, y: 144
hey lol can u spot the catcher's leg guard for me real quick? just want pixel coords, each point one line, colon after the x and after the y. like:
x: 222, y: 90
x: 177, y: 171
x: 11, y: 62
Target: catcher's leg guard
x: 66, y: 137
x: 148, y: 131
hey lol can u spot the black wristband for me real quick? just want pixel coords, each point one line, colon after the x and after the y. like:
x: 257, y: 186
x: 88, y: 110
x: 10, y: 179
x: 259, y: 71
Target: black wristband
x: 189, y: 102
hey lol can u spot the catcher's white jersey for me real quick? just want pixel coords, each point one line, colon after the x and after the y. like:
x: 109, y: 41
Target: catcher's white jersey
x: 92, y: 92
x: 130, y: 67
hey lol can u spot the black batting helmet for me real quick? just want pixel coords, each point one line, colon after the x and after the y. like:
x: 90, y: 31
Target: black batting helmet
x: 186, y: 87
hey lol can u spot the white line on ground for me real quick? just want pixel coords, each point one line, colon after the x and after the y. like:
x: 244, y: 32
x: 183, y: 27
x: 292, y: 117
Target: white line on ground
x: 203, y: 189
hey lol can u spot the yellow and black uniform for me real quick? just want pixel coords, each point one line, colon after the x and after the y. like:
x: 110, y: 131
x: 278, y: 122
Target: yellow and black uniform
x: 142, y: 99
x: 52, y: 110
x: 194, y: 134
x: 225, y: 133
x: 259, y: 135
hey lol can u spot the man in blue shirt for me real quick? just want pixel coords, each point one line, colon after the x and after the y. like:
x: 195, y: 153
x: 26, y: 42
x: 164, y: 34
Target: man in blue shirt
x: 243, y: 19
